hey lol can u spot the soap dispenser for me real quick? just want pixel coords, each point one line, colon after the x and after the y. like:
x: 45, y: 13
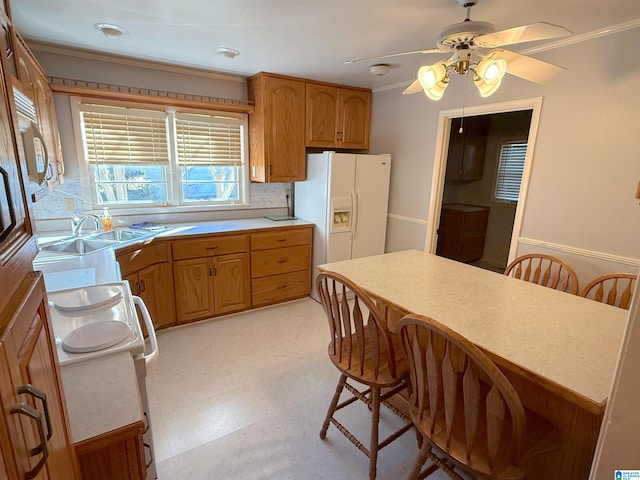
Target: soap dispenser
x: 107, y: 223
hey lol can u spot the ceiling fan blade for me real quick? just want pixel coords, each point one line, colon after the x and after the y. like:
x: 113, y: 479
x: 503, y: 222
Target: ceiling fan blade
x: 524, y: 33
x: 415, y: 87
x: 433, y: 50
x: 526, y: 67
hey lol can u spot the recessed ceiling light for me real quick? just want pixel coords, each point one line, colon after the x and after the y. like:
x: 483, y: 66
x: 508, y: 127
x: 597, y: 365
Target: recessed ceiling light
x: 110, y: 30
x: 227, y: 52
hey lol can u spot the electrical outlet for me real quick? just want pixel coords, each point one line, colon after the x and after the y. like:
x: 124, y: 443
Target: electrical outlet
x: 69, y: 204
x: 287, y: 192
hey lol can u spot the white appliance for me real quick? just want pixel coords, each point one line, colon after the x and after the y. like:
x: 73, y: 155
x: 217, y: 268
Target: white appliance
x: 40, y: 169
x: 346, y: 196
x: 95, y: 321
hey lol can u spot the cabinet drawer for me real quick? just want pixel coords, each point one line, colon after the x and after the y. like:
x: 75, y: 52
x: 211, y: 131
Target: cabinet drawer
x: 208, y: 247
x: 280, y: 238
x: 280, y: 260
x: 278, y: 288
x: 134, y: 258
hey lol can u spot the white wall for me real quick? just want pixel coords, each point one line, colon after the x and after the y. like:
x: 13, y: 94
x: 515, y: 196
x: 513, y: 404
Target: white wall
x: 584, y: 176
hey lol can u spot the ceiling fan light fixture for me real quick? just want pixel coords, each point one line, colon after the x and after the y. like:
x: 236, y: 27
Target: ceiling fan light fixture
x: 433, y: 79
x: 489, y: 73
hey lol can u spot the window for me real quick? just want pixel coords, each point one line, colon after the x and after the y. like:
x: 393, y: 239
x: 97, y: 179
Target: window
x: 510, y: 168
x: 144, y: 157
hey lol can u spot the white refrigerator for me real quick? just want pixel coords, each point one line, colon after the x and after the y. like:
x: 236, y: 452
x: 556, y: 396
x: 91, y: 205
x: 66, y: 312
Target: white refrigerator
x: 345, y: 195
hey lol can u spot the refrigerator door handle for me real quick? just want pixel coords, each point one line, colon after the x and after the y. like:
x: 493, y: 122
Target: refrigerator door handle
x: 356, y: 207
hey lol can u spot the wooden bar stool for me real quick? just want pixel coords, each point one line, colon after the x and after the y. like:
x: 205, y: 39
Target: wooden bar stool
x: 364, y: 351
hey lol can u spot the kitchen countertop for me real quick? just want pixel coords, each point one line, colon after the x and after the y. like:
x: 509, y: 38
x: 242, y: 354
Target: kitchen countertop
x: 102, y: 395
x: 227, y: 226
x: 175, y: 230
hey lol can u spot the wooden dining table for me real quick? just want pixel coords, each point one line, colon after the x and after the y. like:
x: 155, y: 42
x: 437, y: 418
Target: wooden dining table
x: 559, y: 350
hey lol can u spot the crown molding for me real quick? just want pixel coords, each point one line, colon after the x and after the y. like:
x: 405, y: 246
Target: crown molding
x: 133, y: 62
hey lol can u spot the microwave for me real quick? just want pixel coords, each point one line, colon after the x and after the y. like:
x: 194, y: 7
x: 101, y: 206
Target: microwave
x: 41, y: 171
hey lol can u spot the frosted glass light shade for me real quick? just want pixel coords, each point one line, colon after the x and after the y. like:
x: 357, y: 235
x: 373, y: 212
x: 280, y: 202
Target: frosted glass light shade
x: 489, y: 73
x: 433, y: 79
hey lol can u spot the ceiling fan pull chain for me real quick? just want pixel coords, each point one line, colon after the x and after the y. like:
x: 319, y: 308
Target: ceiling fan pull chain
x: 464, y: 101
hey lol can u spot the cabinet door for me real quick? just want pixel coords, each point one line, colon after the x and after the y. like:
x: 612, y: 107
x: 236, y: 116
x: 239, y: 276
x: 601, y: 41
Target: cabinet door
x: 322, y: 115
x: 285, y: 130
x: 29, y: 350
x: 465, y: 159
x: 231, y: 283
x: 194, y: 289
x: 157, y: 292
x: 355, y: 117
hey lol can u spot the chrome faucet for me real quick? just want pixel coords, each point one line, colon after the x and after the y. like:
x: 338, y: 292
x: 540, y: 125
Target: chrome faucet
x: 77, y: 222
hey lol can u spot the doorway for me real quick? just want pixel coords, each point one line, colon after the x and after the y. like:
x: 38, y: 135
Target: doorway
x: 472, y: 218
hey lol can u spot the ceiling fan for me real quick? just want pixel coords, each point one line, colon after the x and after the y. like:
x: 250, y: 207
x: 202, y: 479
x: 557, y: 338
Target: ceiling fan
x: 469, y: 42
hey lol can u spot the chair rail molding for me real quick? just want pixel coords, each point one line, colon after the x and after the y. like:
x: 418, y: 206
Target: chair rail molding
x: 402, y: 218
x: 580, y: 251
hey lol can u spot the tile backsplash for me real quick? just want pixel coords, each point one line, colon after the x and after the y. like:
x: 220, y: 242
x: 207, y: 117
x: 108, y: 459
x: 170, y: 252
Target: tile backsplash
x: 52, y: 210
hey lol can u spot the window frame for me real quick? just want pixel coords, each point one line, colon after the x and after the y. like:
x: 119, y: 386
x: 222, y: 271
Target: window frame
x: 173, y: 173
x: 501, y: 143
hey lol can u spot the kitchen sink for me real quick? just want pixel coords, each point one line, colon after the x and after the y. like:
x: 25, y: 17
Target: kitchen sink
x: 120, y: 235
x: 78, y: 245
x: 94, y: 242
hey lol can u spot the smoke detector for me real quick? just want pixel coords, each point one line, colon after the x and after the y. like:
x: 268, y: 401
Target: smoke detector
x: 380, y: 69
x: 110, y: 30
x: 227, y: 52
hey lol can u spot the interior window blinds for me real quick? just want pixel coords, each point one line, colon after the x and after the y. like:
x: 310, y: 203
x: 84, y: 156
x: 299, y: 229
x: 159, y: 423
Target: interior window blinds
x: 117, y: 135
x: 209, y: 140
x: 510, y: 168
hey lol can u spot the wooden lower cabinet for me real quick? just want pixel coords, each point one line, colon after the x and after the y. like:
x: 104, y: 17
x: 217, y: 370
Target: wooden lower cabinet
x: 117, y: 455
x: 36, y: 441
x: 211, y: 285
x: 280, y: 265
x: 462, y: 231
x: 148, y: 271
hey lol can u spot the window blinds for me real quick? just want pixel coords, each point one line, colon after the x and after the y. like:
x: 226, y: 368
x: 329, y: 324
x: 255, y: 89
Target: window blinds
x: 117, y: 135
x: 208, y: 140
x: 510, y: 168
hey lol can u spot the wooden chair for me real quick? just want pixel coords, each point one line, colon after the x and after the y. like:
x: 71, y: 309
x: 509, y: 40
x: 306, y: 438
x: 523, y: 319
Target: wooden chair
x: 614, y: 289
x: 467, y: 411
x: 364, y: 351
x: 544, y: 270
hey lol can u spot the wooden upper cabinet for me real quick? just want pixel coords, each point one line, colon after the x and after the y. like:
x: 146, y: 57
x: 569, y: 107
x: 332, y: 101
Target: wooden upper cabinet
x: 276, y: 128
x: 337, y: 117
x: 465, y: 158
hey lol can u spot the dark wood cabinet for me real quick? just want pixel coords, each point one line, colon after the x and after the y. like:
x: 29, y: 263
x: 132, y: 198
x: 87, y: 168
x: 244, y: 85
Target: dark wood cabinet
x: 462, y: 231
x: 465, y: 160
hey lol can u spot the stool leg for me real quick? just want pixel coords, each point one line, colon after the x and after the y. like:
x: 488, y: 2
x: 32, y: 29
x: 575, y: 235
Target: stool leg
x: 333, y: 405
x: 375, y: 419
x: 422, y: 458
